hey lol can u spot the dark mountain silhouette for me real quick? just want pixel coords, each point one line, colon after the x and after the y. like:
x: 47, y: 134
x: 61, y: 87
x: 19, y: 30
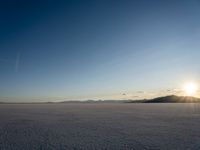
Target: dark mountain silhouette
x: 165, y: 99
x: 174, y: 99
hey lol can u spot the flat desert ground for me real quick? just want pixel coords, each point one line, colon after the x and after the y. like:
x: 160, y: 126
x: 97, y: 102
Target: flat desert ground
x: 99, y: 126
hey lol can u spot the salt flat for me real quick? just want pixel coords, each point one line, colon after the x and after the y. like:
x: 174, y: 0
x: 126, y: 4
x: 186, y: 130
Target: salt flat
x: 99, y: 126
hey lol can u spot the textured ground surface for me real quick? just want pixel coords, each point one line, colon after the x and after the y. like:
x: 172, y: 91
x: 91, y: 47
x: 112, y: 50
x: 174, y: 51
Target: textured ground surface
x: 100, y: 126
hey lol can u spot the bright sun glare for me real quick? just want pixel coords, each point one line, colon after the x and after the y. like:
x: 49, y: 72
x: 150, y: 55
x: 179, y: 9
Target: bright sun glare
x: 190, y: 89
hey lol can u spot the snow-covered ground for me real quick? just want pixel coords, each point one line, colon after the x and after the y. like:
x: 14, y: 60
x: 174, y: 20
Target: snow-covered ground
x: 99, y: 126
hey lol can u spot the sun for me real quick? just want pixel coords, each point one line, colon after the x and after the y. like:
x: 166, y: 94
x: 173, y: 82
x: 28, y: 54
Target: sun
x: 190, y: 89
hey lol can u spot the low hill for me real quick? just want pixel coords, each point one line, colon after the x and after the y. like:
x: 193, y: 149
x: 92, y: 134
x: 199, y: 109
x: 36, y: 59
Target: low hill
x: 174, y: 99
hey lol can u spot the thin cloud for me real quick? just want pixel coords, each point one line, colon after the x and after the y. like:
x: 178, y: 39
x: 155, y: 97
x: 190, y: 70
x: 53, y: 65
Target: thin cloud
x: 140, y: 92
x: 17, y: 62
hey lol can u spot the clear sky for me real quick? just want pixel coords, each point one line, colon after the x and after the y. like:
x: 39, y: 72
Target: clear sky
x: 53, y: 50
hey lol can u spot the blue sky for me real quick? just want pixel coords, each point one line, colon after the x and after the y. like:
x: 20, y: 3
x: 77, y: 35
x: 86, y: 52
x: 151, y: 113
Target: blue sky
x: 65, y: 50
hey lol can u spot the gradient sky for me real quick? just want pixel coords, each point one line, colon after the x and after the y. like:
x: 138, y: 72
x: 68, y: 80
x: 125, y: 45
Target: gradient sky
x: 53, y: 50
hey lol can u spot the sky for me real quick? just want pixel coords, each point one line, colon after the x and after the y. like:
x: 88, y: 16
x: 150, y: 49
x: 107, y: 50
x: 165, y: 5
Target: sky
x: 54, y: 50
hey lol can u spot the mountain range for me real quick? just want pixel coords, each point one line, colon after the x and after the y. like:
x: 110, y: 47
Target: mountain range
x: 170, y: 99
